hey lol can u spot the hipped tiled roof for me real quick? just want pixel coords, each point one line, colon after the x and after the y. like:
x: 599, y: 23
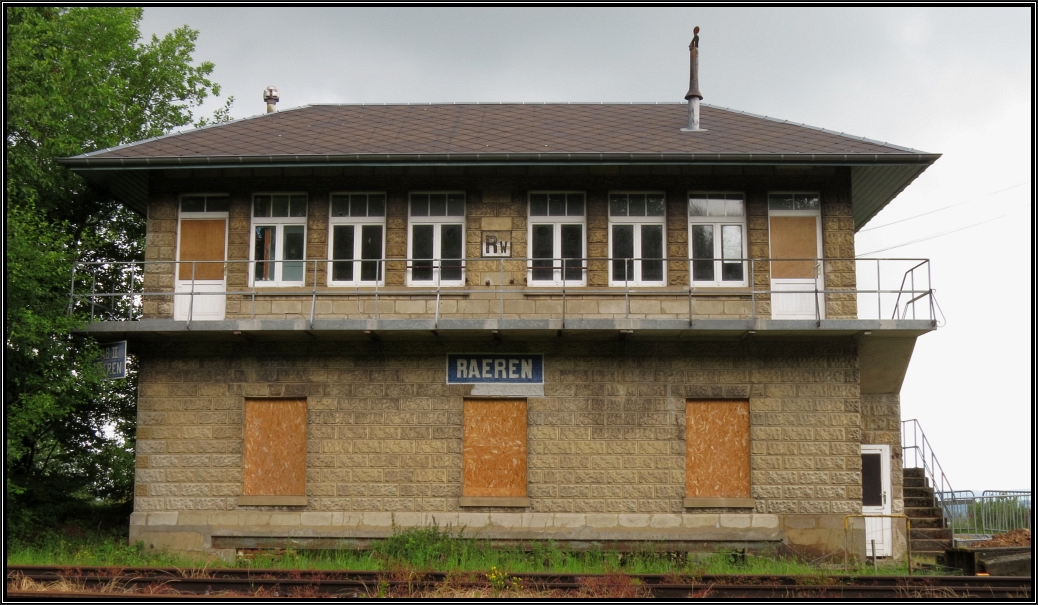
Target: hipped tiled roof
x: 477, y: 128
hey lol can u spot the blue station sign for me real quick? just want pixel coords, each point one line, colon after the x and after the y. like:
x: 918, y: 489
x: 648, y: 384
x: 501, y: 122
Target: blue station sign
x: 500, y: 369
x: 113, y: 359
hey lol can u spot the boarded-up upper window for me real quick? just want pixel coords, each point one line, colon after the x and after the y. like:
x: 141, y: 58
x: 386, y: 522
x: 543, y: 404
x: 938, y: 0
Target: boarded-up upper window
x: 201, y: 241
x: 495, y: 448
x: 794, y: 237
x: 717, y: 454
x: 275, y: 447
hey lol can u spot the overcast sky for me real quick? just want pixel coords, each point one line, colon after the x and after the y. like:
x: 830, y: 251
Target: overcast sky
x: 946, y: 80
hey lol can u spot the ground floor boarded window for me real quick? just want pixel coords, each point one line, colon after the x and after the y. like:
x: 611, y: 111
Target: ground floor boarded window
x: 274, y: 456
x: 717, y: 449
x: 494, y: 456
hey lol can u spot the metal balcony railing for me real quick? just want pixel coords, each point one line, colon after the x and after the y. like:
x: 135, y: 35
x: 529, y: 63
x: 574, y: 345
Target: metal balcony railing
x: 898, y: 289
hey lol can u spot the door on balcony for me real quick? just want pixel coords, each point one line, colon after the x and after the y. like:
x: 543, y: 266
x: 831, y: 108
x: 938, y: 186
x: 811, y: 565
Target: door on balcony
x: 795, y: 233
x: 875, y: 498
x: 201, y: 276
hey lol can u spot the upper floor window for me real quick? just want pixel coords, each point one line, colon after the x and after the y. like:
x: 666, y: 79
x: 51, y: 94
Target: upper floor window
x: 636, y: 228
x: 556, y: 235
x: 278, y: 238
x: 436, y: 246
x: 208, y: 203
x: 717, y: 238
x: 358, y: 228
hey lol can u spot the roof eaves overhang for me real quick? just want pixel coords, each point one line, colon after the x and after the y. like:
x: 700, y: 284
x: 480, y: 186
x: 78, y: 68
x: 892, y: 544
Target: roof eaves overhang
x: 455, y: 159
x: 875, y: 178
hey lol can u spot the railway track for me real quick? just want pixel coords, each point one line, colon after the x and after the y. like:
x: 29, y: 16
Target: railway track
x: 146, y: 583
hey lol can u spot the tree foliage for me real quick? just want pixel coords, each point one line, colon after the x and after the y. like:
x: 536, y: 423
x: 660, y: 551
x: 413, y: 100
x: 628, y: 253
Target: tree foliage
x: 77, y: 80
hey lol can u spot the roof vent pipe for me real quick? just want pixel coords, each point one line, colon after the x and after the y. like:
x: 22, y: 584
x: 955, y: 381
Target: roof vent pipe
x: 693, y: 96
x: 270, y: 97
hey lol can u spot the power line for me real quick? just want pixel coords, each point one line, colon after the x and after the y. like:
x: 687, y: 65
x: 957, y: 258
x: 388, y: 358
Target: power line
x: 944, y: 208
x: 923, y: 239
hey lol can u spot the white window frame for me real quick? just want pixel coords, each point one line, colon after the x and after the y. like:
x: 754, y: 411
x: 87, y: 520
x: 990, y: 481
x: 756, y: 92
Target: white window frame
x: 358, y: 222
x: 437, y: 222
x: 279, y: 223
x: 205, y: 213
x: 637, y: 222
x: 556, y: 222
x: 718, y: 222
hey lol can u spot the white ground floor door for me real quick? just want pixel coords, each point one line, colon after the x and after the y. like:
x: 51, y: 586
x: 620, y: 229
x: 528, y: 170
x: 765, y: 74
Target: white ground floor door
x: 875, y: 498
x: 200, y: 274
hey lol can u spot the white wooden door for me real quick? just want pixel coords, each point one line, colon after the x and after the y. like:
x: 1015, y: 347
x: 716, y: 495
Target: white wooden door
x: 200, y: 273
x: 875, y: 498
x: 794, y: 283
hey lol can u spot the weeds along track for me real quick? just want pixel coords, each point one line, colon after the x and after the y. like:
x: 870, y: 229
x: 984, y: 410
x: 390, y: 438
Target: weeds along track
x: 145, y: 583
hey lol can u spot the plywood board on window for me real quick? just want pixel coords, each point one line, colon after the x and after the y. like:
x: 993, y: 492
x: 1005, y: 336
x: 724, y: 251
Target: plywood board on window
x: 494, y: 448
x: 202, y: 240
x: 717, y: 449
x: 794, y: 237
x: 275, y: 447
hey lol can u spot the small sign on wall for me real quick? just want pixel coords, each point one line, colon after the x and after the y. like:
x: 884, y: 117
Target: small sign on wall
x: 113, y: 360
x: 478, y: 368
x: 497, y: 243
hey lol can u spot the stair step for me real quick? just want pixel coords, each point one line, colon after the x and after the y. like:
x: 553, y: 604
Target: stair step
x: 916, y: 502
x: 916, y: 482
x: 930, y: 533
x: 918, y: 492
x: 927, y: 522
x: 914, y: 472
x: 923, y: 511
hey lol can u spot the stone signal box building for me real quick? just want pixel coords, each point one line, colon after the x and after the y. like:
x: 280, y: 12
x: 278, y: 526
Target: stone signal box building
x: 578, y: 322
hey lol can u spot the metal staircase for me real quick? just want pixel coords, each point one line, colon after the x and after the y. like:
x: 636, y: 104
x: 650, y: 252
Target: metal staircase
x: 924, y: 482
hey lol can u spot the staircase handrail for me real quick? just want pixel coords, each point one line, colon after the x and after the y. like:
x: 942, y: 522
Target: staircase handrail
x: 924, y: 457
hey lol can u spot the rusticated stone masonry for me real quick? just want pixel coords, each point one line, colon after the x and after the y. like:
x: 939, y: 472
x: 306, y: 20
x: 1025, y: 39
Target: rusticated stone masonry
x: 385, y: 431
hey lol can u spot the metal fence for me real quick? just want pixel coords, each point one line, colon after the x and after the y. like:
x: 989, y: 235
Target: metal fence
x: 884, y: 288
x: 972, y: 517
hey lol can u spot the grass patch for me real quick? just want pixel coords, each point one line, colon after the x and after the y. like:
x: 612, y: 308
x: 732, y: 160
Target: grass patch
x: 426, y: 549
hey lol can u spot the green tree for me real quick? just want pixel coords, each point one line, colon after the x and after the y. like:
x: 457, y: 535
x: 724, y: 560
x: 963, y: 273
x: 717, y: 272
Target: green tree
x: 77, y: 80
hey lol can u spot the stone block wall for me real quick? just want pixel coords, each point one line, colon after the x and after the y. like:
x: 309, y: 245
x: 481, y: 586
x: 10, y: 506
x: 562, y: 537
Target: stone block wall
x: 881, y: 424
x: 499, y: 207
x: 385, y: 431
x: 838, y: 243
x: 160, y: 245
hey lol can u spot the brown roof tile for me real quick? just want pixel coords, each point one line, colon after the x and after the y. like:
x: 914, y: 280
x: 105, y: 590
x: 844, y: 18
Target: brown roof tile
x: 497, y: 129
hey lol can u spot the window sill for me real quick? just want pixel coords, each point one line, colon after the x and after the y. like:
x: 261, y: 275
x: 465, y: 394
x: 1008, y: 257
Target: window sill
x: 494, y: 501
x: 719, y: 502
x: 721, y: 290
x: 272, y: 501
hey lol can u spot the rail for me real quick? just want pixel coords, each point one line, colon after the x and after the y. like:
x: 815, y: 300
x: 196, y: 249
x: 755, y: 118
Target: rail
x: 917, y: 452
x: 844, y: 288
x: 972, y: 518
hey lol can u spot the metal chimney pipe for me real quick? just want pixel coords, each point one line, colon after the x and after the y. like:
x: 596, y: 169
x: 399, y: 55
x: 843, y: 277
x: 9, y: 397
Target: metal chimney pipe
x: 270, y: 97
x: 693, y: 96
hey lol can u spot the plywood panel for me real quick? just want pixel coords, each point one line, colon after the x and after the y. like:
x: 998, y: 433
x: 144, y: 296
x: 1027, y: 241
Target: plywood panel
x: 495, y: 448
x: 202, y: 240
x: 717, y: 449
x: 275, y: 447
x: 794, y: 237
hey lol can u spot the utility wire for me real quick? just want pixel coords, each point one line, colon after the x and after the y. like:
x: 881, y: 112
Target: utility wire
x: 923, y: 239
x: 976, y: 199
